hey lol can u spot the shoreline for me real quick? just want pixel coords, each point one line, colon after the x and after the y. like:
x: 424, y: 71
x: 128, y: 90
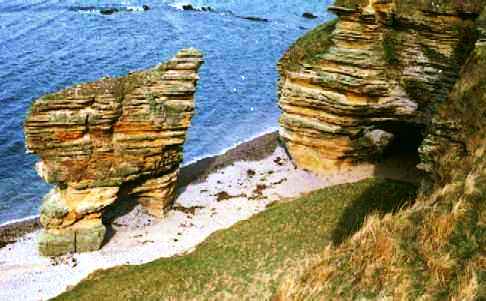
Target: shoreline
x: 251, y: 149
x: 250, y: 139
x: 222, y: 191
x: 213, y: 194
x: 197, y: 170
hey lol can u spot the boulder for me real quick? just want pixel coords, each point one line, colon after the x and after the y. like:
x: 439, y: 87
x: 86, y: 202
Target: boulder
x: 112, y: 138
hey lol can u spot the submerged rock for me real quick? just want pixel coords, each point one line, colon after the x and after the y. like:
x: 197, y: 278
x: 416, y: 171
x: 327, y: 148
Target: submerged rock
x: 255, y: 19
x: 308, y: 15
x: 113, y: 138
x: 349, y: 87
x: 108, y: 11
x: 188, y: 7
x: 192, y: 8
x: 83, y: 8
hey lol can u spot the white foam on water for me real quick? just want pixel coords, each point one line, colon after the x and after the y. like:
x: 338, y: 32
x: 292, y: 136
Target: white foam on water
x: 179, y: 5
x: 135, y: 8
x: 19, y: 220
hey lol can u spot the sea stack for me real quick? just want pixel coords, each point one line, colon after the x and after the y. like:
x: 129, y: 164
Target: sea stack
x: 372, y: 82
x: 112, y: 138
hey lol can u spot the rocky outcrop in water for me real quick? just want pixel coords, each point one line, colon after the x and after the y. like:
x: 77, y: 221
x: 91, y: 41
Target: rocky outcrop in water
x: 113, y: 138
x: 371, y: 81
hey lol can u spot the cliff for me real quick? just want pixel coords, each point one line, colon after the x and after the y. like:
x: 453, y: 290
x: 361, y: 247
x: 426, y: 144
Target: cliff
x: 353, y: 88
x: 105, y: 140
x: 435, y: 249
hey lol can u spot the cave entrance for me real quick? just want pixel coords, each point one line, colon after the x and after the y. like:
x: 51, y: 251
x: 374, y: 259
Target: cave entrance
x: 407, y: 138
x: 401, y: 157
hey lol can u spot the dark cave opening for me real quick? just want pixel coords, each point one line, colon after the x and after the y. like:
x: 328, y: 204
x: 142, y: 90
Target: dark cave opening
x: 407, y: 138
x: 400, y: 159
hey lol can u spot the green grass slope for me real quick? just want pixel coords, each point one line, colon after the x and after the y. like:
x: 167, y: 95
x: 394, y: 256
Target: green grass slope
x: 249, y: 260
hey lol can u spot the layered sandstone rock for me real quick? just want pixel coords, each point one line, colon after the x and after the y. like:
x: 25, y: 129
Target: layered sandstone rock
x: 103, y: 140
x: 454, y: 153
x: 456, y: 137
x: 375, y: 79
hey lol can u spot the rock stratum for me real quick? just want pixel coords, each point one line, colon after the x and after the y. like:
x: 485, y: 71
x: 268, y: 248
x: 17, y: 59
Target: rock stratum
x: 435, y: 248
x: 101, y: 141
x: 368, y: 81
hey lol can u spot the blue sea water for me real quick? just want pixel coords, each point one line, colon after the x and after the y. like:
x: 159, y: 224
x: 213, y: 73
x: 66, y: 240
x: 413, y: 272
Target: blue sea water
x: 45, y: 46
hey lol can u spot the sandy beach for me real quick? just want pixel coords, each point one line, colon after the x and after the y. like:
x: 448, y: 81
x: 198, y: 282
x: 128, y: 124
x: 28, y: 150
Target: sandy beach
x: 214, y: 194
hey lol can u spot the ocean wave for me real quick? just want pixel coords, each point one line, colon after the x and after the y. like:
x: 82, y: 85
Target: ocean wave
x: 180, y: 5
x: 19, y: 220
x: 194, y: 7
x: 113, y: 8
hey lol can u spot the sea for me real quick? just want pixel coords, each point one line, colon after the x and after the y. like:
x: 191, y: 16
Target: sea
x: 48, y: 45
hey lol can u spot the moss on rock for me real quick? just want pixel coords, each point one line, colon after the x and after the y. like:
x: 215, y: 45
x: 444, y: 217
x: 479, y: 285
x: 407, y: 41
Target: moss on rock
x: 307, y: 49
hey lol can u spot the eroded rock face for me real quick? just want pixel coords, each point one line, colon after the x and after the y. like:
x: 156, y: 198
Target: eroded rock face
x: 106, y: 139
x: 384, y: 68
x: 456, y: 138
